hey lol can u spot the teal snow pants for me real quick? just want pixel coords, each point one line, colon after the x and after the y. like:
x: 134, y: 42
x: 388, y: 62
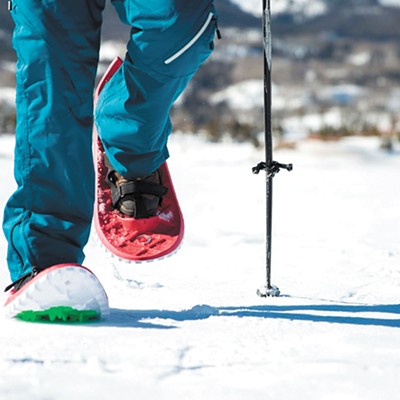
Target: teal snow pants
x: 48, y: 218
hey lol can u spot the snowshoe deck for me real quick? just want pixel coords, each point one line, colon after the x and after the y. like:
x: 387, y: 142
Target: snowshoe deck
x: 126, y: 237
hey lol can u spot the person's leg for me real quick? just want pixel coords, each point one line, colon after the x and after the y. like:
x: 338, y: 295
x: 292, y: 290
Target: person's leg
x: 170, y: 39
x: 47, y: 220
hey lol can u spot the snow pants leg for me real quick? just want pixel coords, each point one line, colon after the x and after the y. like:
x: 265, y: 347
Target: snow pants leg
x: 170, y: 39
x: 47, y: 220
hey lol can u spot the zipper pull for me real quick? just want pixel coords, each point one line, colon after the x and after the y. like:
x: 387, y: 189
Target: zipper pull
x: 219, y: 36
x: 9, y: 5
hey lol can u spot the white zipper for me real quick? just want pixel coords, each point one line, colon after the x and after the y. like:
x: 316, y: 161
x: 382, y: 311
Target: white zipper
x: 192, y: 42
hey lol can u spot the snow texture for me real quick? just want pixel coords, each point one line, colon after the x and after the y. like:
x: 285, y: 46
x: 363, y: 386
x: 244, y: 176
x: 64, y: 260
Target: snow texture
x: 192, y: 327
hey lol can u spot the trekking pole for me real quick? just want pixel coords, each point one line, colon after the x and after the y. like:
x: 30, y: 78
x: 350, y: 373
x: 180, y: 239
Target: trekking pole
x: 269, y: 166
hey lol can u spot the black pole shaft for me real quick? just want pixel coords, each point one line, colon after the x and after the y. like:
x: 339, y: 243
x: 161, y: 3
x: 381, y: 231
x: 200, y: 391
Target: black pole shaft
x: 268, y: 131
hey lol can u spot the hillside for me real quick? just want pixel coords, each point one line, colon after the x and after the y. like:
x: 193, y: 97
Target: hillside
x: 362, y: 19
x: 320, y: 49
x: 358, y: 19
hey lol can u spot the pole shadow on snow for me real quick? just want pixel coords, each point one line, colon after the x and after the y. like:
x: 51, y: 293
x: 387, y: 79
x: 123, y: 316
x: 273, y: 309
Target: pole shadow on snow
x: 328, y: 313
x: 352, y: 313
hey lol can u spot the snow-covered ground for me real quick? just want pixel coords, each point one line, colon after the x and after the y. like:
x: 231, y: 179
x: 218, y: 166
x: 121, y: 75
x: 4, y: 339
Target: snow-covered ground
x: 192, y: 327
x: 308, y: 8
x: 7, y: 97
x: 390, y: 3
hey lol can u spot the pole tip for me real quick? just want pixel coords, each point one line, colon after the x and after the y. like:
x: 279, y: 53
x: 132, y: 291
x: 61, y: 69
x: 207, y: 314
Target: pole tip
x: 272, y: 291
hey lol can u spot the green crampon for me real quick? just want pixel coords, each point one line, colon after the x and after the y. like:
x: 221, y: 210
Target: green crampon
x: 59, y: 315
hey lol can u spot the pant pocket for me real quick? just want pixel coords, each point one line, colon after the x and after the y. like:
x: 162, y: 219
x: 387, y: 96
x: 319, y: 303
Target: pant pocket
x: 197, y: 47
x: 178, y: 50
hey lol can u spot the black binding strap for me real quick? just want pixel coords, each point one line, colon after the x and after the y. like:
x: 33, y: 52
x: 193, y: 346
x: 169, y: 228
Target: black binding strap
x: 138, y: 189
x: 23, y: 279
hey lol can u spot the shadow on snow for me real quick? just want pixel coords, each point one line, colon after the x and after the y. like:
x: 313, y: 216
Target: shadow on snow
x: 330, y: 313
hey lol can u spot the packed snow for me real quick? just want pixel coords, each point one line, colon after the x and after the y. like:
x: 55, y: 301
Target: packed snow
x: 192, y: 327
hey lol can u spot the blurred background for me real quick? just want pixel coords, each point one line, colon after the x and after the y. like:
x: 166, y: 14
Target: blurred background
x: 336, y: 72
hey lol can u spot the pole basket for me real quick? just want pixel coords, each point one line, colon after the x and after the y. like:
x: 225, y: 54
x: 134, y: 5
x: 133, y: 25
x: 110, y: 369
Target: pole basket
x: 272, y: 291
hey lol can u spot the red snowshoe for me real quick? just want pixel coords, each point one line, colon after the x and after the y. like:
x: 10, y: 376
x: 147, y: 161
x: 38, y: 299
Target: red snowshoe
x: 141, y: 239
